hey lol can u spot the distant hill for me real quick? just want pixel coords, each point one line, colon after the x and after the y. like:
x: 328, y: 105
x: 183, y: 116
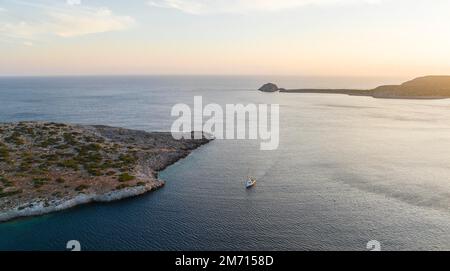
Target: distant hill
x: 422, y: 87
x: 427, y: 87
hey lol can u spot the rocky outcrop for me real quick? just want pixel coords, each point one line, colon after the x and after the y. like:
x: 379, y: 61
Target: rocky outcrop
x: 47, y: 167
x: 269, y: 87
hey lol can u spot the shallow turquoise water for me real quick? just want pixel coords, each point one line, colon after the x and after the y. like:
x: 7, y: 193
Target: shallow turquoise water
x: 348, y: 169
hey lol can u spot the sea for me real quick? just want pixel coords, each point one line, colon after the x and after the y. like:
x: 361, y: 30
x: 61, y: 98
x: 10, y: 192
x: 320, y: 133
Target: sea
x: 348, y: 169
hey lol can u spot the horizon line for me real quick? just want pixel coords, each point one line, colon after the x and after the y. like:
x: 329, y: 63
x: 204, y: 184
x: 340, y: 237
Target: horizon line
x: 206, y: 75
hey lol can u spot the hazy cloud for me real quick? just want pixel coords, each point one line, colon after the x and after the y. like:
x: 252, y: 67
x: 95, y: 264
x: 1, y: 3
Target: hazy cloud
x: 244, y: 6
x: 73, y: 2
x: 94, y: 21
x: 72, y: 21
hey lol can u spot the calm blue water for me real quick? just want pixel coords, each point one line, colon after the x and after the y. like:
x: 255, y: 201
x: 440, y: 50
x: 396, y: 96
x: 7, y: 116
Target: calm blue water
x: 348, y: 169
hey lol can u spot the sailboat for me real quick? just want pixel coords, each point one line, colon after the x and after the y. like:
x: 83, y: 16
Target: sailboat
x: 251, y: 181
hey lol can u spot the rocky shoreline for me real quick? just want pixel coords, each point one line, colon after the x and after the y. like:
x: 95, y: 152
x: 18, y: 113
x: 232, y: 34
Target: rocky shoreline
x: 38, y: 208
x: 49, y: 167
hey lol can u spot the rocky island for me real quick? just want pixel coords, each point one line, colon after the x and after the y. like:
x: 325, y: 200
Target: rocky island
x: 427, y: 87
x: 47, y: 167
x: 269, y: 87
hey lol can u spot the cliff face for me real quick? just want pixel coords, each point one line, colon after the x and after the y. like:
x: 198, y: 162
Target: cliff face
x: 422, y: 87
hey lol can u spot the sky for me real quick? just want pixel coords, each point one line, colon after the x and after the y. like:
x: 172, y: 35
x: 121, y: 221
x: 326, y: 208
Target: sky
x: 230, y: 37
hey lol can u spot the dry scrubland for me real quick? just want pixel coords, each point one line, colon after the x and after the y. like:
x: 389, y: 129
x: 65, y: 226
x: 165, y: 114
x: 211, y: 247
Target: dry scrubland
x: 46, y: 167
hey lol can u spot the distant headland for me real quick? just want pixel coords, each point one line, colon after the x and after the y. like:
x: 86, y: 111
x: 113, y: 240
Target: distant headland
x: 47, y: 167
x: 427, y: 87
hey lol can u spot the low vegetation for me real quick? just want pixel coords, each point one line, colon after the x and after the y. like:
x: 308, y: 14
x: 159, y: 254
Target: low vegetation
x: 36, y: 155
x: 126, y: 177
x: 47, y: 164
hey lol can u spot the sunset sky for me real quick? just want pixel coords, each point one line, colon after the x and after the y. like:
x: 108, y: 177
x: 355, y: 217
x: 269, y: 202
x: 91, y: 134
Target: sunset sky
x: 281, y: 37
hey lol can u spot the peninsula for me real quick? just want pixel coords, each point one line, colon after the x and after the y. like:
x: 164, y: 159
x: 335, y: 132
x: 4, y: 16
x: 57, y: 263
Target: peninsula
x: 428, y: 87
x: 47, y: 167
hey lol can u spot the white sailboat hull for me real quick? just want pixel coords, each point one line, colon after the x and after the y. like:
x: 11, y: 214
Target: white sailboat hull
x: 250, y: 183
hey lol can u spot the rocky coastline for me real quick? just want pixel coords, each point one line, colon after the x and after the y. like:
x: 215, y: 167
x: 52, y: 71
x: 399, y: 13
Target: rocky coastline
x: 48, y: 167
